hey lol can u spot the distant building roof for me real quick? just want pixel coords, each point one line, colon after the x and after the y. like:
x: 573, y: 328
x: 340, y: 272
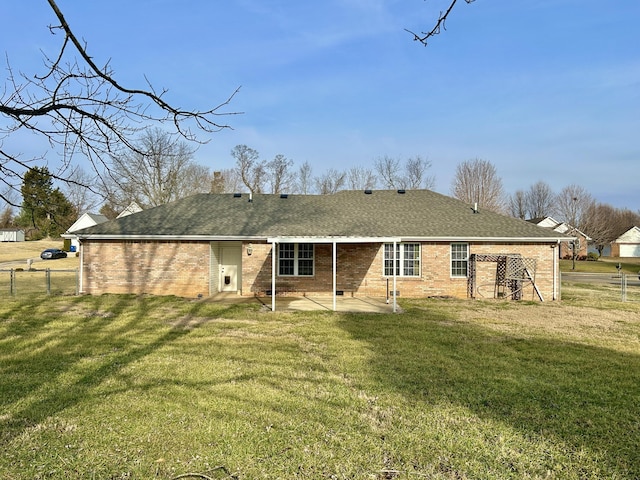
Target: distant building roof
x: 132, y: 208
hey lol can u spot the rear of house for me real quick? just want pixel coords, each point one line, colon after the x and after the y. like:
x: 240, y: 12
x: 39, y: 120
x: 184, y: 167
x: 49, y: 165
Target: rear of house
x: 408, y: 243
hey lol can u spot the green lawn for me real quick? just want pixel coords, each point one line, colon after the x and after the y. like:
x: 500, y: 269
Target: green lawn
x: 603, y: 265
x: 115, y: 387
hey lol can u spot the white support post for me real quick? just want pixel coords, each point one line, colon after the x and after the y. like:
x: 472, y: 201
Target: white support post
x: 394, y: 275
x: 334, y: 263
x: 273, y: 276
x: 554, y: 254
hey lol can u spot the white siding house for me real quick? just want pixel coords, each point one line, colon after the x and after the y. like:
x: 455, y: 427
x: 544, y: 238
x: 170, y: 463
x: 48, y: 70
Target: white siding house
x: 627, y: 244
x: 86, y: 220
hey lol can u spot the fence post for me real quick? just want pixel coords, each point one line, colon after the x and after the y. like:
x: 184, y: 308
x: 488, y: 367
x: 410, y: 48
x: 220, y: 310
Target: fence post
x: 12, y: 279
x: 77, y: 281
x: 623, y: 283
x: 47, y: 276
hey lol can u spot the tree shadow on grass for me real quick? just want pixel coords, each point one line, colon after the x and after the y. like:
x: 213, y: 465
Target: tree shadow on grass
x: 584, y: 396
x: 53, y: 354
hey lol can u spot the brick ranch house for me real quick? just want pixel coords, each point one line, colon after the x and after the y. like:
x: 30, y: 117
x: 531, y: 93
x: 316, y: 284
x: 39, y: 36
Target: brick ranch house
x: 341, y: 244
x: 566, y: 249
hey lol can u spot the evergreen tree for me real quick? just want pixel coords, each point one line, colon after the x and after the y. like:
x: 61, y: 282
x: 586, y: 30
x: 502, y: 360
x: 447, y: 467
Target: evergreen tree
x: 46, y: 212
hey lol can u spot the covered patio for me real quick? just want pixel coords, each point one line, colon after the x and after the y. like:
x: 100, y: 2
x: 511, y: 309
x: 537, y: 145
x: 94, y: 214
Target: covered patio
x: 334, y: 302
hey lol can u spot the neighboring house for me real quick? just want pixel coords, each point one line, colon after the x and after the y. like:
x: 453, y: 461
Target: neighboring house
x: 131, y: 209
x: 11, y: 235
x: 416, y: 243
x: 627, y: 244
x: 566, y: 248
x: 84, y: 221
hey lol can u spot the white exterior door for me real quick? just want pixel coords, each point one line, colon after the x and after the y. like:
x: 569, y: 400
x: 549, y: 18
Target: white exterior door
x: 230, y: 267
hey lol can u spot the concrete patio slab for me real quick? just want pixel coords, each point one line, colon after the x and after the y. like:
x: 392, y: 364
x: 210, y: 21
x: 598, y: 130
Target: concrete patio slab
x: 314, y: 303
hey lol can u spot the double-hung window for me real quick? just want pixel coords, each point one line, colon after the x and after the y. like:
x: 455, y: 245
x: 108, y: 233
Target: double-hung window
x: 459, y: 259
x: 407, y: 259
x: 295, y: 259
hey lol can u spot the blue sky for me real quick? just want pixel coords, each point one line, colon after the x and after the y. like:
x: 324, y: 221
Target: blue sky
x: 544, y: 89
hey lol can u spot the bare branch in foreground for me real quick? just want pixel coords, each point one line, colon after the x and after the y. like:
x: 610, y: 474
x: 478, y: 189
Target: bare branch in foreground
x: 84, y: 114
x: 440, y: 25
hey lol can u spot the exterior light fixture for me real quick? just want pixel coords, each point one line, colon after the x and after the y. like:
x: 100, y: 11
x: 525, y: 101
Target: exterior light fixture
x: 249, y: 249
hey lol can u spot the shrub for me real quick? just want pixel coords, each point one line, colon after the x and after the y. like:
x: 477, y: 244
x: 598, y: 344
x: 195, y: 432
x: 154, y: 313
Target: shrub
x: 593, y: 257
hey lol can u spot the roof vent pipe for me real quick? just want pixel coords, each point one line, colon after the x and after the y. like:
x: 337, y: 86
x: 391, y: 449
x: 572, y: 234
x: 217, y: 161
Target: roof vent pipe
x: 475, y: 207
x: 250, y: 196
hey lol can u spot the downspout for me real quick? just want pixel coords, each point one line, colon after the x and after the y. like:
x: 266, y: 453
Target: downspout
x: 334, y: 261
x: 80, y: 287
x: 273, y: 276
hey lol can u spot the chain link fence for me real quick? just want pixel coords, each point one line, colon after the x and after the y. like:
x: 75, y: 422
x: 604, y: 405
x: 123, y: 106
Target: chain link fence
x: 17, y: 281
x: 630, y: 287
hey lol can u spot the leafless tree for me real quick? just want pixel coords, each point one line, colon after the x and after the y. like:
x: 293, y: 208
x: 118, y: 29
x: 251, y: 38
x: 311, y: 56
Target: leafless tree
x: 604, y: 223
x: 304, y: 181
x: 388, y: 170
x: 330, y: 182
x: 393, y: 174
x: 249, y: 167
x: 571, y: 205
x: 159, y: 170
x: 6, y: 217
x: 517, y: 205
x: 360, y: 178
x: 84, y: 112
x: 477, y: 181
x: 440, y: 24
x: 415, y: 173
x: 627, y: 219
x: 82, y: 198
x: 278, y: 174
x: 540, y: 200
x: 6, y: 207
x: 600, y: 224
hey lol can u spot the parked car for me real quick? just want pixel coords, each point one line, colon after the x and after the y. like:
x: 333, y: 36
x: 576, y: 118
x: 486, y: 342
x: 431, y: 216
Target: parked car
x: 51, y: 253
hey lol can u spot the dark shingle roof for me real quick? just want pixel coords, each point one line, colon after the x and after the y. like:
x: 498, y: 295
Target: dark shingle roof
x: 385, y: 213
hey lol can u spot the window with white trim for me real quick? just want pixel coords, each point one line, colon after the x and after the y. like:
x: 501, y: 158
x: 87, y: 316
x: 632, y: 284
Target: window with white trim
x: 459, y: 259
x: 295, y: 259
x: 407, y: 259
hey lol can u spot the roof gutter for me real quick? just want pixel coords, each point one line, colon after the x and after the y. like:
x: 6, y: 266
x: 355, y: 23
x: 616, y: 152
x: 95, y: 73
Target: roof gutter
x: 490, y: 239
x: 317, y: 239
x: 100, y: 236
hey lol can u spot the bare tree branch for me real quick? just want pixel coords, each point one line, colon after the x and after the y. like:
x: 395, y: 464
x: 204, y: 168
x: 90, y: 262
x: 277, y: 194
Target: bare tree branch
x: 441, y: 24
x: 84, y: 113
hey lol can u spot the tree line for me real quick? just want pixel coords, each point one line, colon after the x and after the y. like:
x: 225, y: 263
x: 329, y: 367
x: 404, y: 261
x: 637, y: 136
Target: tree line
x: 162, y: 169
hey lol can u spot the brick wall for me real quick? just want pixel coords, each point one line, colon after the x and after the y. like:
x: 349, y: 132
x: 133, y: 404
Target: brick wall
x: 158, y: 268
x: 566, y: 248
x: 544, y: 273
x: 183, y: 268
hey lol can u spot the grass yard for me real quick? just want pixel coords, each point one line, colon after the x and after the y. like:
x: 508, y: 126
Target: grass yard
x: 115, y: 387
x: 12, y: 251
x: 603, y: 265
